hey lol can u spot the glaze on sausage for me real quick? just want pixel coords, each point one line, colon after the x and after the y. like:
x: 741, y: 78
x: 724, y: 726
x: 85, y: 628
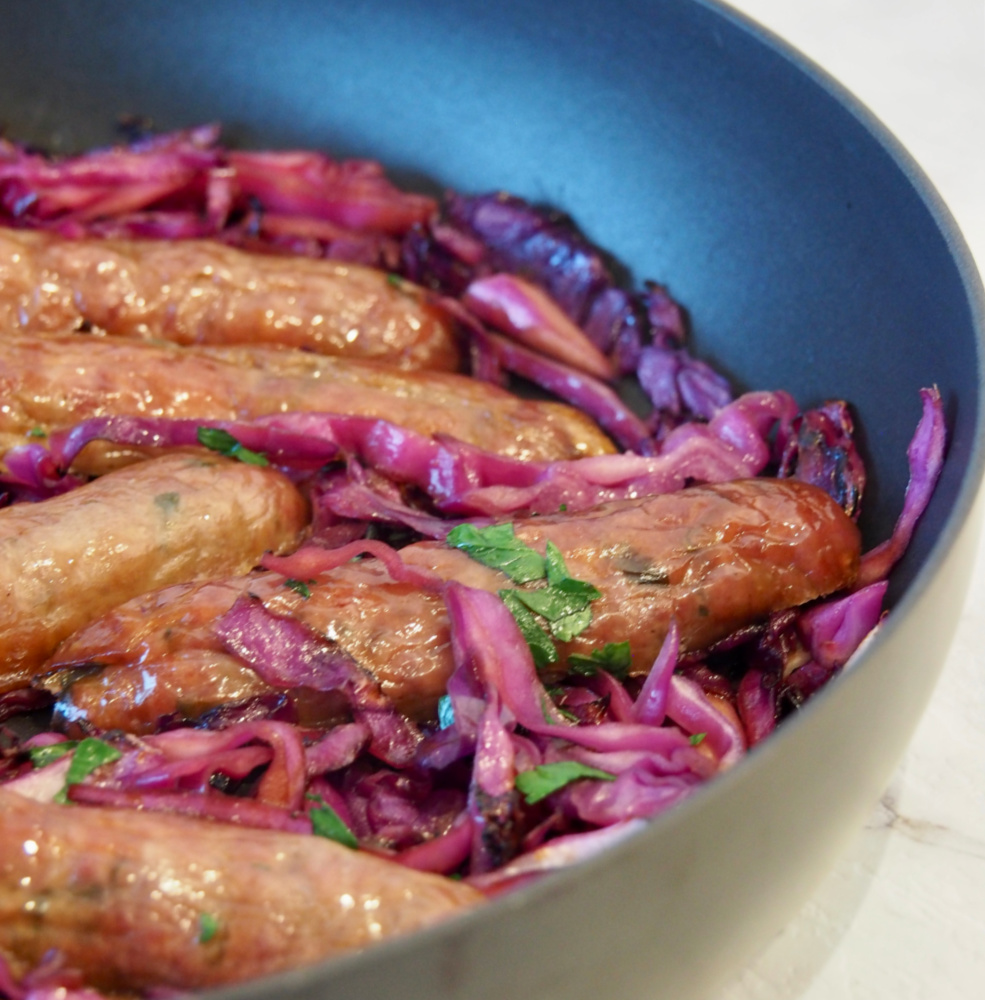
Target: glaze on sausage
x: 715, y: 558
x: 125, y: 897
x: 204, y: 292
x: 66, y: 560
x: 49, y: 382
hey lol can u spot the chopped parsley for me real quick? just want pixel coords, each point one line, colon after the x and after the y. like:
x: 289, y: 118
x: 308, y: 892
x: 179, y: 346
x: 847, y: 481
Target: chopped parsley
x: 326, y: 822
x: 538, y: 640
x: 564, y: 602
x: 498, y: 547
x: 299, y: 586
x: 613, y: 657
x: 216, y: 439
x: 37, y: 432
x: 208, y: 927
x: 545, y: 779
x: 697, y: 739
x: 89, y: 755
x: 43, y: 756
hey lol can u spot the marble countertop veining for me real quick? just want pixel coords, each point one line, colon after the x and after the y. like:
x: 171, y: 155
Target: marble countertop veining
x: 903, y: 914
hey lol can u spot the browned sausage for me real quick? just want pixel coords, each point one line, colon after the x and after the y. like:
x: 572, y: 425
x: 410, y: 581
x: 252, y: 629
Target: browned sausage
x: 51, y: 382
x: 66, y: 560
x: 134, y: 900
x: 713, y: 557
x: 202, y: 292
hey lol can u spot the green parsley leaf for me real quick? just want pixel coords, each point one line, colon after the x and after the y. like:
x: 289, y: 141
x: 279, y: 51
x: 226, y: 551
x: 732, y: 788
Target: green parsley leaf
x: 613, y: 657
x: 208, y: 927
x: 554, y: 602
x: 37, y: 432
x: 566, y: 628
x: 299, y: 586
x: 554, y: 565
x: 697, y: 738
x: 89, y: 755
x: 217, y: 439
x: 43, y: 756
x: 326, y: 822
x: 537, y: 639
x: 545, y: 779
x: 498, y: 547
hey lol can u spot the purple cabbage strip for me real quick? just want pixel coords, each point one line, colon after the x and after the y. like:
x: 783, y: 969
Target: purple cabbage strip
x: 205, y: 804
x: 822, y: 451
x: 755, y: 701
x: 583, y: 391
x: 311, y: 560
x: 637, y: 793
x: 196, y: 754
x: 337, y: 749
x: 394, y: 811
x: 561, y: 852
x: 186, y: 185
x: 834, y: 629
x: 689, y: 707
x: 22, y: 700
x: 651, y: 703
x: 515, y: 307
x: 286, y: 653
x: 443, y: 854
x: 926, y: 458
x: 462, y: 479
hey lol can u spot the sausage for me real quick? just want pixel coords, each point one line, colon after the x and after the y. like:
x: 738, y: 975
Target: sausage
x: 65, y: 560
x: 715, y: 558
x: 204, y: 292
x: 52, y: 382
x: 134, y: 900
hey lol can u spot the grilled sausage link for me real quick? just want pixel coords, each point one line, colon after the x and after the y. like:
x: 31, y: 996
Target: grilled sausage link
x: 715, y: 558
x: 203, y: 292
x: 134, y: 900
x: 66, y: 560
x: 51, y: 382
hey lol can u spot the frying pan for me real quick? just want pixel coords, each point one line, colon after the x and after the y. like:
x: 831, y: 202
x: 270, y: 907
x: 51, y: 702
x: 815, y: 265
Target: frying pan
x: 812, y: 255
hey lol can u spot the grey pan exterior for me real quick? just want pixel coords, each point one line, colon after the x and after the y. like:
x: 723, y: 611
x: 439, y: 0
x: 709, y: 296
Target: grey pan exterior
x: 813, y: 256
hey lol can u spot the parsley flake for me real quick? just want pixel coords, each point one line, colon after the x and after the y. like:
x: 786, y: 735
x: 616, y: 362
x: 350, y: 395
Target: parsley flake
x: 545, y: 779
x: 208, y: 927
x: 217, y: 439
x: 43, y: 756
x: 299, y: 586
x: 89, y: 755
x: 498, y: 548
x: 326, y: 822
x: 697, y: 739
x: 538, y: 640
x: 613, y: 657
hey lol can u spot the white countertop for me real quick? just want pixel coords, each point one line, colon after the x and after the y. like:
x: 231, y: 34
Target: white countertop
x: 902, y: 917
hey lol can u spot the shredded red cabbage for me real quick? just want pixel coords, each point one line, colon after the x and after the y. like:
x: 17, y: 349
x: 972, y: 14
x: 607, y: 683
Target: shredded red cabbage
x: 452, y: 795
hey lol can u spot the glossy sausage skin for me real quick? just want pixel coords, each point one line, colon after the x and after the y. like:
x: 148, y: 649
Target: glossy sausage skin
x: 66, y: 560
x: 48, y: 382
x: 124, y: 896
x: 203, y: 292
x: 716, y: 558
